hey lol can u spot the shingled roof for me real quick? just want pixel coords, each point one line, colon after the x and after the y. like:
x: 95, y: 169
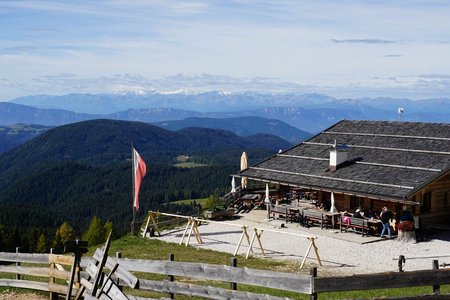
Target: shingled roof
x: 387, y: 160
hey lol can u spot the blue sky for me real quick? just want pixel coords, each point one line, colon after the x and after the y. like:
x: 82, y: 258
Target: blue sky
x: 340, y: 48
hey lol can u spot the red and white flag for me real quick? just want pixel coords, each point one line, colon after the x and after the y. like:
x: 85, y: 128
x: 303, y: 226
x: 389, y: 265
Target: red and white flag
x: 139, y: 170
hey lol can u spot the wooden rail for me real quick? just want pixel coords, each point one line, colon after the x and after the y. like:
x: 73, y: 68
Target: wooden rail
x: 270, y: 279
x: 191, y: 227
x: 122, y: 270
x: 382, y: 280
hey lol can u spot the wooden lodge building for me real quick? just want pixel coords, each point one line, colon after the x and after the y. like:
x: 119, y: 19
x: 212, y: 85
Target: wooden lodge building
x: 369, y: 164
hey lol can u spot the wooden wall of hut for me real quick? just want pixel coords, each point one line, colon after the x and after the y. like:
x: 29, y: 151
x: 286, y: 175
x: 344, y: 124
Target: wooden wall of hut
x: 439, y: 207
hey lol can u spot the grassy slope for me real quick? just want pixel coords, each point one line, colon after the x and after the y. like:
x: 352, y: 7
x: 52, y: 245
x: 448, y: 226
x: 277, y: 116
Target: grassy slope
x: 200, y: 201
x: 135, y: 247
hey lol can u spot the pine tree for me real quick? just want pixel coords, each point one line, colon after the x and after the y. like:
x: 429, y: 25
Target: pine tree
x: 211, y: 202
x: 64, y: 233
x: 109, y: 227
x: 95, y: 233
x: 41, y: 246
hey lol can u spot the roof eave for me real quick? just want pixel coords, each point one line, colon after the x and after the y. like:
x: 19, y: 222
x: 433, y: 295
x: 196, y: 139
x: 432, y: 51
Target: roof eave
x: 423, y: 185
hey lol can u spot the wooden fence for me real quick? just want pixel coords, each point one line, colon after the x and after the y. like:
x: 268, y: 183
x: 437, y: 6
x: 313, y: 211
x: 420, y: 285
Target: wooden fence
x: 46, y: 270
x: 122, y: 269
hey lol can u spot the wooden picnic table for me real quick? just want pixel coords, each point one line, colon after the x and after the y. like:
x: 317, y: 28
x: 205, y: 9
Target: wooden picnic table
x: 332, y: 217
x: 375, y: 225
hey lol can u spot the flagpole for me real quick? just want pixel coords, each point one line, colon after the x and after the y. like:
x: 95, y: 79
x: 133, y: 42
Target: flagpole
x: 132, y: 189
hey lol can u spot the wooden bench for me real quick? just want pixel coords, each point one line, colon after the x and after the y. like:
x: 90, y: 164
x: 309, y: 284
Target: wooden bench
x: 315, y: 217
x: 355, y: 223
x: 289, y: 213
x: 279, y: 211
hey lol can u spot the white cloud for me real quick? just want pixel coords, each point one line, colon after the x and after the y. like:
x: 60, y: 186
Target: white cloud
x: 323, y: 44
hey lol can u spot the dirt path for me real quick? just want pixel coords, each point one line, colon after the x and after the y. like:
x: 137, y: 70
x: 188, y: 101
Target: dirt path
x: 9, y: 295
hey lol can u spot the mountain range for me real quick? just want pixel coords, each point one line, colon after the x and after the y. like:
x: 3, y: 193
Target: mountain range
x: 12, y: 114
x: 308, y: 112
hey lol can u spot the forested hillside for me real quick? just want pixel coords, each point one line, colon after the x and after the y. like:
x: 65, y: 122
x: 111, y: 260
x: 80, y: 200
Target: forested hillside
x: 74, y: 172
x: 243, y: 126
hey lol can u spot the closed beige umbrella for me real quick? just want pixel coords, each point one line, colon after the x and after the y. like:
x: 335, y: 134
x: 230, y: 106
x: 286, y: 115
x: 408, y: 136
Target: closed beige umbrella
x: 244, y: 165
x: 332, y: 208
x: 233, y: 185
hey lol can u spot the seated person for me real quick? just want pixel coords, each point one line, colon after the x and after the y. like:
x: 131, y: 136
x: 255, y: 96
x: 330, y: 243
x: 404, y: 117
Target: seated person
x: 346, y: 218
x: 358, y: 214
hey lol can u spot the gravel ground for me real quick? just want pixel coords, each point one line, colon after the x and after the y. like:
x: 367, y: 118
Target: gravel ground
x: 340, y: 253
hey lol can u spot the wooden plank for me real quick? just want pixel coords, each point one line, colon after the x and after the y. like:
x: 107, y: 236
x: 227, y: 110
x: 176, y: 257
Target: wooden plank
x: 60, y: 289
x: 112, y: 291
x: 146, y: 226
x: 286, y: 232
x: 104, y: 297
x: 169, y: 222
x: 26, y: 284
x: 65, y: 275
x: 208, y: 292
x: 88, y: 285
x: 32, y: 271
x: 107, y: 280
x: 60, y: 259
x: 121, y: 272
x: 85, y: 276
x: 420, y: 297
x: 131, y: 297
x: 24, y: 257
x: 101, y: 263
x: 86, y: 260
x: 91, y: 270
x: 277, y: 280
x: 382, y: 280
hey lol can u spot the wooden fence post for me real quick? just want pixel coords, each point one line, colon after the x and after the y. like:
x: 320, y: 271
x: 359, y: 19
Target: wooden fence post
x: 171, y: 277
x: 401, y: 262
x: 119, y: 255
x: 73, y: 272
x: 233, y: 264
x: 313, y: 273
x: 53, y: 295
x: 436, y: 287
x: 18, y: 263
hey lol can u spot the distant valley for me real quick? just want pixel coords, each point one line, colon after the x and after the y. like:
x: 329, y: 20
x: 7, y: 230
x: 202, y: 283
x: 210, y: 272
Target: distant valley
x: 14, y: 135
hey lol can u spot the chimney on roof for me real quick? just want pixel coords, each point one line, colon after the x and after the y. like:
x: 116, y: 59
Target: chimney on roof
x: 338, y: 155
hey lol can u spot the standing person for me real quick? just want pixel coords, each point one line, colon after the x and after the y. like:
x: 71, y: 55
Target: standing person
x: 386, y: 216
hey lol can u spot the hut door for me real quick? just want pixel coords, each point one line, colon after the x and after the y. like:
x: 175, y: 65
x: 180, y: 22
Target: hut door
x: 426, y: 203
